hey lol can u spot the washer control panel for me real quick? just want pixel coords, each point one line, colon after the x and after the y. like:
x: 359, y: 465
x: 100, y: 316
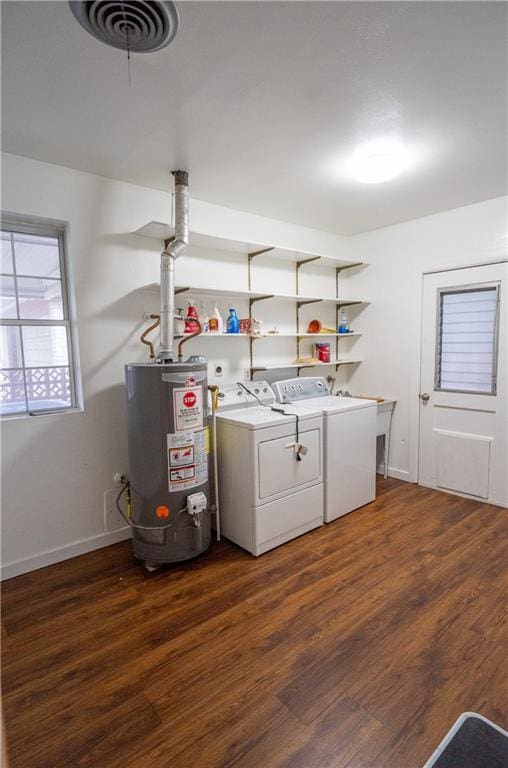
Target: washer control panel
x: 293, y: 390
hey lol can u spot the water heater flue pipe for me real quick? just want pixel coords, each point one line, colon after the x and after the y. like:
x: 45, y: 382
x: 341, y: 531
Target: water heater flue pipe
x: 173, y: 250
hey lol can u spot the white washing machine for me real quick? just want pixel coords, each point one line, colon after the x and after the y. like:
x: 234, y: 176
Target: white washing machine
x: 349, y: 440
x: 270, y: 478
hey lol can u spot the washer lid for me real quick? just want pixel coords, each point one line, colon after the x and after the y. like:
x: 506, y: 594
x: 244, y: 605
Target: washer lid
x: 259, y: 418
x: 334, y: 404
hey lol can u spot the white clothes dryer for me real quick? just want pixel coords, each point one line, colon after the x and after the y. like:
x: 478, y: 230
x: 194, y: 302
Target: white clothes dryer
x: 270, y: 467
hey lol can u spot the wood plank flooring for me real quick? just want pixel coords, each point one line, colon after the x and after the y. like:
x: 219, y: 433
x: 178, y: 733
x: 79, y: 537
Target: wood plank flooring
x: 355, y: 646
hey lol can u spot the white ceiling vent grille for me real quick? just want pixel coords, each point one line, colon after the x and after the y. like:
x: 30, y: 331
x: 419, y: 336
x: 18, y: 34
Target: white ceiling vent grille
x: 141, y: 27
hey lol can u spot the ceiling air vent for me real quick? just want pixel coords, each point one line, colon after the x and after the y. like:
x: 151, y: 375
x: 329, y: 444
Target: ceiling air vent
x: 140, y: 27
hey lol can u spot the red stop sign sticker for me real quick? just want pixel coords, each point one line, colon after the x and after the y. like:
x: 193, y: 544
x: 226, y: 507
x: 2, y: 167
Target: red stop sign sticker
x: 189, y: 399
x: 188, y: 408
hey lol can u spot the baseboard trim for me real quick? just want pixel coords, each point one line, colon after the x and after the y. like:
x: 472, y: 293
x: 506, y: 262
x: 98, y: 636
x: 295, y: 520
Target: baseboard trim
x: 398, y: 474
x: 50, y: 557
x: 81, y: 547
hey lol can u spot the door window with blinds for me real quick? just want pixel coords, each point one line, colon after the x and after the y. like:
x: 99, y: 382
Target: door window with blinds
x: 37, y: 364
x: 466, y: 344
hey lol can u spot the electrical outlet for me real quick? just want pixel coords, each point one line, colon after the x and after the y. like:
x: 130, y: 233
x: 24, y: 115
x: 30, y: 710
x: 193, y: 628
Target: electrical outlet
x: 113, y: 520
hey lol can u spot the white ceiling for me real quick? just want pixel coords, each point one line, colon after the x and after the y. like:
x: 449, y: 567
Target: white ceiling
x: 264, y: 102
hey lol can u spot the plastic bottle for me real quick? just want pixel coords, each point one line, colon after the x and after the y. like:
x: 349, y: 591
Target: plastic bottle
x: 204, y: 319
x: 233, y: 324
x: 343, y: 323
x: 191, y: 321
x: 215, y: 321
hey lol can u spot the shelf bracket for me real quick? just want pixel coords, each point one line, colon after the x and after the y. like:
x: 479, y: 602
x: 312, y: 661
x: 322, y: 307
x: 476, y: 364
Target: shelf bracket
x: 300, y: 304
x: 307, y: 301
x: 250, y: 259
x: 347, y: 303
x: 346, y: 362
x: 252, y: 301
x: 253, y: 254
x: 297, y: 269
x: 340, y: 303
x: 349, y: 266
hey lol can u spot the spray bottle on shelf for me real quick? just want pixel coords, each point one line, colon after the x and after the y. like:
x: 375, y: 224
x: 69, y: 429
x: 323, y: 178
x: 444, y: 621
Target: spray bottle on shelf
x: 192, y: 319
x: 204, y: 319
x: 343, y: 323
x: 215, y: 321
x: 233, y: 324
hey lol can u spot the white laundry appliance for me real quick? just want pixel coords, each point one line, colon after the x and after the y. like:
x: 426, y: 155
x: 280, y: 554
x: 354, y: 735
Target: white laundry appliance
x: 349, y: 441
x: 270, y: 467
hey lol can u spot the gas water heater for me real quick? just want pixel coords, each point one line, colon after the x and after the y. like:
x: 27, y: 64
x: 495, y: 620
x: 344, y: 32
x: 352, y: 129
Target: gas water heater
x: 168, y: 461
x: 168, y: 490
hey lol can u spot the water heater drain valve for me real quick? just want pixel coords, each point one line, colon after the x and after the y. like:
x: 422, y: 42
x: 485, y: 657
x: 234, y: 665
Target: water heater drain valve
x: 196, y: 505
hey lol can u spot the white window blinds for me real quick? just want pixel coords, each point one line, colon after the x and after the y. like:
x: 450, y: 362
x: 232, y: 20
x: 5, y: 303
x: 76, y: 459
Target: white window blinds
x: 466, y: 347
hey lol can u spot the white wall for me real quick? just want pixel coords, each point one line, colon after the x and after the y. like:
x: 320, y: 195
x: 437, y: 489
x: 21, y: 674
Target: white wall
x: 56, y: 468
x: 398, y: 256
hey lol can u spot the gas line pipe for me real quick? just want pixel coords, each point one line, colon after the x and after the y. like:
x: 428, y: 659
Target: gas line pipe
x: 145, y: 333
x: 214, y: 390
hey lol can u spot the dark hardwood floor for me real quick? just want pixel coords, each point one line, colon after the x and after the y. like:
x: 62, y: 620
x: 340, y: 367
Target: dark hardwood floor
x: 357, y: 645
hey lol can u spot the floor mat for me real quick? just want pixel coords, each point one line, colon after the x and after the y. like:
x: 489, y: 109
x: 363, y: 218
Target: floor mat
x: 473, y: 742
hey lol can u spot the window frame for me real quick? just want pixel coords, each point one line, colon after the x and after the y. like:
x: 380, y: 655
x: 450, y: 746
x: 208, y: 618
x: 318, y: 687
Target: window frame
x: 58, y: 231
x: 471, y: 288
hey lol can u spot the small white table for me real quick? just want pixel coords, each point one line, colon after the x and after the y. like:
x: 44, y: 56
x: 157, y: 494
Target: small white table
x: 384, y: 427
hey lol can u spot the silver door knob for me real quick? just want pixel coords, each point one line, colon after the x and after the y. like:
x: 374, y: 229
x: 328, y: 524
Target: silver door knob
x: 424, y: 396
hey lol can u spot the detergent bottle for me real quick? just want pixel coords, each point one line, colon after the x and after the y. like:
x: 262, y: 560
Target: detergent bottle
x: 215, y: 321
x: 192, y: 319
x: 343, y: 323
x: 233, y: 324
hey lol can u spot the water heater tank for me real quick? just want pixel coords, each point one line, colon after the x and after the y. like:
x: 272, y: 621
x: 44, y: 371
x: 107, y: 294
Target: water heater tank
x: 168, y: 460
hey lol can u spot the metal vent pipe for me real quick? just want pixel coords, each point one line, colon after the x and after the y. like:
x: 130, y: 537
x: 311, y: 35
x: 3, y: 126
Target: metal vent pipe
x: 174, y: 248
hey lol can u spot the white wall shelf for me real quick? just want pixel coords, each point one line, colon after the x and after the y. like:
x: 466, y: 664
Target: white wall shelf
x: 163, y: 231
x: 215, y: 335
x: 255, y: 295
x: 281, y: 366
x: 252, y: 251
x: 217, y: 292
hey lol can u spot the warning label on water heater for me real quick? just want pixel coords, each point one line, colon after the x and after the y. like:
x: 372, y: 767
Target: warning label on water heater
x: 187, y: 459
x: 179, y: 457
x: 188, y: 408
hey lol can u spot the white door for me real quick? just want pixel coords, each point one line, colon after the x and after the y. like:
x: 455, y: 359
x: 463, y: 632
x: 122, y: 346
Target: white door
x: 463, y: 382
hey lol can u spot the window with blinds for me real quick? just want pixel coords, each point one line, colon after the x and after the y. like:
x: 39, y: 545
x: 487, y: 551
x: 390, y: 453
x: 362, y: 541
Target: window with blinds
x: 466, y: 345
